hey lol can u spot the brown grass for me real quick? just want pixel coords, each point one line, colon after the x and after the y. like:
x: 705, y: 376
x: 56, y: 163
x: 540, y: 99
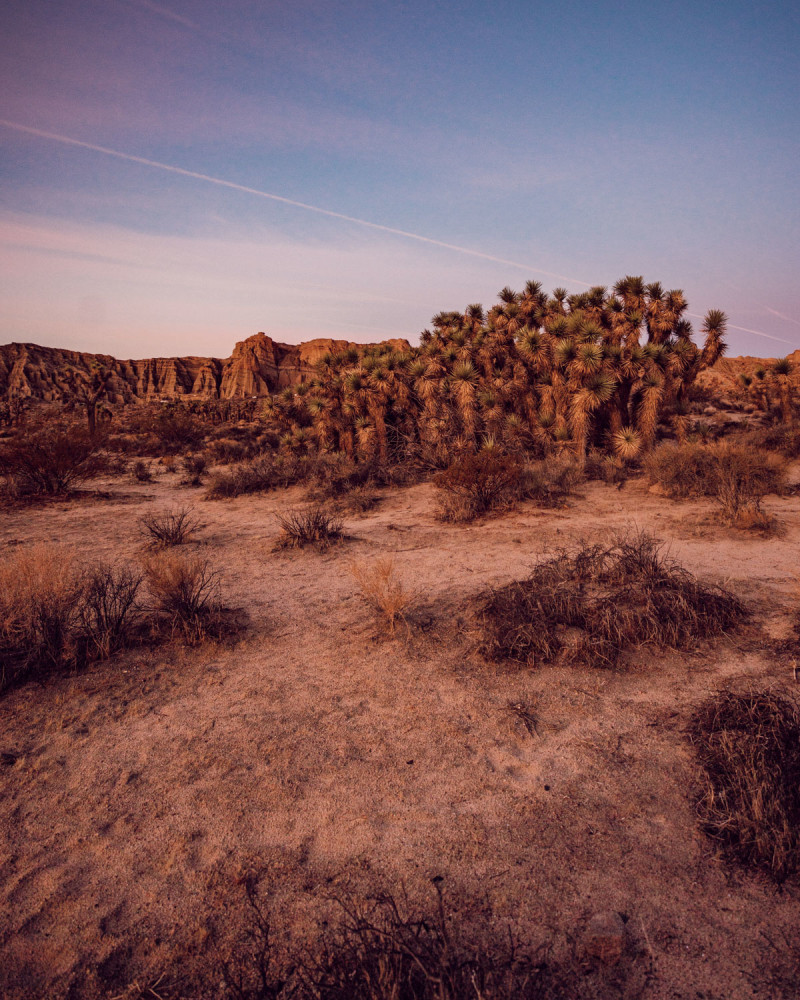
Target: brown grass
x: 382, y: 589
x: 748, y: 746
x: 40, y: 588
x: 591, y: 605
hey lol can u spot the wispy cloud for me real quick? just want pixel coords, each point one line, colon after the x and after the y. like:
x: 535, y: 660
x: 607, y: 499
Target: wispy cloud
x: 170, y: 168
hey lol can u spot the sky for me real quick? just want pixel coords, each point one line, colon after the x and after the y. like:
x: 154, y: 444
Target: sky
x: 177, y: 176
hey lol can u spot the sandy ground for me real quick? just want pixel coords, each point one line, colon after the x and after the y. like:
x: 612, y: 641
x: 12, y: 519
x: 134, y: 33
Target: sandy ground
x: 317, y: 752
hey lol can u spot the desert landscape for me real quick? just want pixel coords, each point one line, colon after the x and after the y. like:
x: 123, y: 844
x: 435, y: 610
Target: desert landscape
x: 459, y: 670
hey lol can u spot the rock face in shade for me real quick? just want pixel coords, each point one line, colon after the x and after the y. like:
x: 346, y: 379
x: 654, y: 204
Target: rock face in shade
x: 257, y: 367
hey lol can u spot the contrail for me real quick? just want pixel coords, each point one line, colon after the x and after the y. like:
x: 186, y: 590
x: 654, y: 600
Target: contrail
x: 745, y: 329
x: 780, y: 315
x: 67, y: 140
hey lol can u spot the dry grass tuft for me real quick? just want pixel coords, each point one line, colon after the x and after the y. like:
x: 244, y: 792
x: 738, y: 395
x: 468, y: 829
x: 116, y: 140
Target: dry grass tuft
x: 175, y: 527
x: 591, y: 605
x: 314, y: 526
x: 383, y: 590
x: 40, y: 588
x: 749, y: 748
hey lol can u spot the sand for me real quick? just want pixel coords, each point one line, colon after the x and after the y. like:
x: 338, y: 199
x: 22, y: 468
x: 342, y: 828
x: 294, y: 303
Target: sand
x: 317, y: 752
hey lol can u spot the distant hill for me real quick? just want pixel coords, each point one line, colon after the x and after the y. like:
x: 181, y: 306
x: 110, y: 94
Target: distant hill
x: 257, y: 367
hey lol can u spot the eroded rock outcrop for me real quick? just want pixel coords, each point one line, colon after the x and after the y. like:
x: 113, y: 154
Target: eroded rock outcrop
x: 257, y: 367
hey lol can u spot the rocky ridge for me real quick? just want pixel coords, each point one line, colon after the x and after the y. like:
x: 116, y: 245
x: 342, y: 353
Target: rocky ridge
x: 258, y: 366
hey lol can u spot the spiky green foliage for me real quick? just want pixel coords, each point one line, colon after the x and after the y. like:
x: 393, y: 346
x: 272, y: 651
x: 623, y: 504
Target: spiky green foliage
x: 599, y: 369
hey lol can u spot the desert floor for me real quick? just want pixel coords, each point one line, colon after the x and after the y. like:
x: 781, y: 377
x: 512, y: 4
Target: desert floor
x: 320, y: 754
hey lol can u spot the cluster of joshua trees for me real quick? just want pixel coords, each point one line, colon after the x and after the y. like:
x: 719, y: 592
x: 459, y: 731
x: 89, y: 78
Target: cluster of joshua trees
x: 537, y: 372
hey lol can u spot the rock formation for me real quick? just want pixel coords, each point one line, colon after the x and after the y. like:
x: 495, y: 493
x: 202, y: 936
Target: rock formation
x: 257, y: 367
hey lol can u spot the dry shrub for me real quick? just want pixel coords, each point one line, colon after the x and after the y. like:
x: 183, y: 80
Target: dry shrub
x: 550, y: 481
x: 738, y: 477
x: 257, y: 476
x: 782, y: 437
x: 174, y: 527
x: 49, y: 461
x: 186, y: 592
x: 108, y: 608
x: 476, y: 484
x: 141, y: 471
x: 194, y: 466
x: 381, y: 949
x: 591, y: 605
x: 749, y: 748
x: 314, y: 526
x: 40, y: 588
x: 382, y: 589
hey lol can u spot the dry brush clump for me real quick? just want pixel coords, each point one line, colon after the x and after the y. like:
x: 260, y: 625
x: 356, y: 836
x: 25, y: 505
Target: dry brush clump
x: 185, y: 591
x: 381, y: 948
x: 57, y: 615
x: 383, y: 590
x: 748, y: 745
x: 591, y: 605
x: 174, y: 527
x: 49, y: 461
x: 314, y: 526
x: 736, y: 476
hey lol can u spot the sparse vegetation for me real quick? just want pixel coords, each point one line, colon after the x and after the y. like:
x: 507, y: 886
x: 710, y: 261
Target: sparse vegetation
x: 108, y: 608
x: 591, y: 605
x: 381, y: 949
x: 737, y: 477
x: 256, y: 476
x: 383, y: 590
x: 186, y: 591
x: 175, y: 527
x: 141, y: 471
x: 49, y: 461
x: 40, y: 588
x: 476, y: 484
x: 748, y: 745
x: 194, y: 466
x: 313, y: 526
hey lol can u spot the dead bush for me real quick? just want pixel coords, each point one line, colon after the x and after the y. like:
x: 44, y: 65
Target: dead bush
x: 108, y: 608
x: 314, y: 526
x: 782, y: 437
x: 591, y: 605
x: 380, y: 948
x: 737, y: 477
x: 748, y: 745
x: 175, y: 527
x: 550, y: 481
x: 141, y: 471
x: 257, y: 476
x: 476, y: 484
x: 383, y: 590
x: 194, y: 466
x: 49, y: 461
x: 40, y: 590
x: 186, y: 591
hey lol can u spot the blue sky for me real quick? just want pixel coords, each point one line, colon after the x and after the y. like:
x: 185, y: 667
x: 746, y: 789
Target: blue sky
x: 579, y: 141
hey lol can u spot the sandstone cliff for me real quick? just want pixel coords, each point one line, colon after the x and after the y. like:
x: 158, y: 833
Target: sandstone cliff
x: 258, y: 366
